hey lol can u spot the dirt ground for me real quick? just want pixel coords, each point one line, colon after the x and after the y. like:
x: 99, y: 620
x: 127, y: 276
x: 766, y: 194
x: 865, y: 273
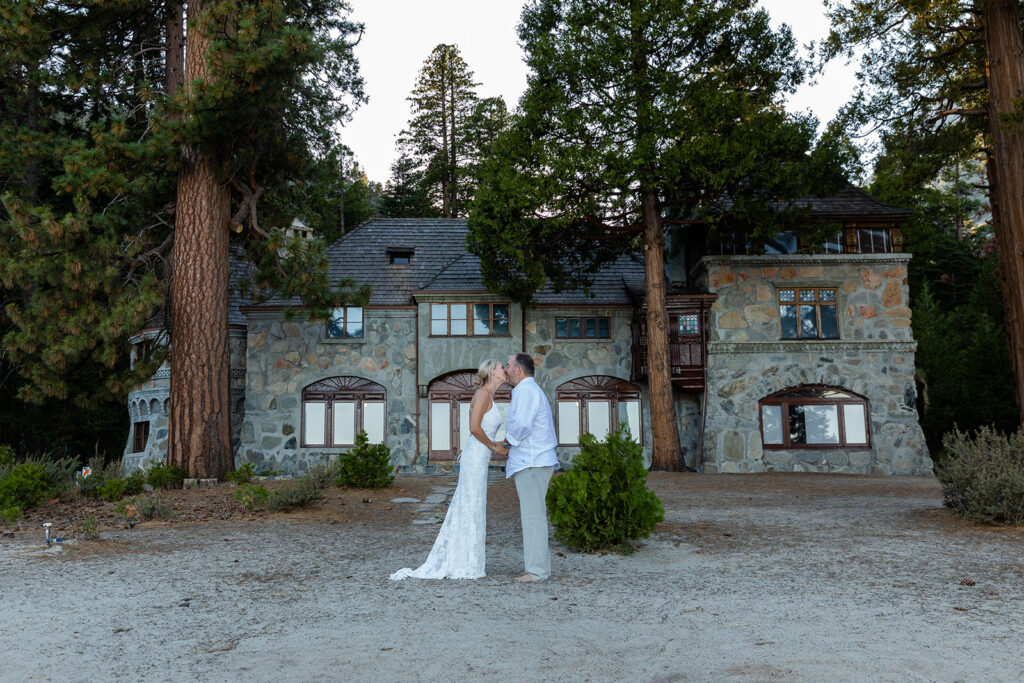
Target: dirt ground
x: 750, y: 577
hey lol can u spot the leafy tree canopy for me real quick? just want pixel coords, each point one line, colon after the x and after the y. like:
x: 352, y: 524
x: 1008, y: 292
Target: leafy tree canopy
x: 676, y: 101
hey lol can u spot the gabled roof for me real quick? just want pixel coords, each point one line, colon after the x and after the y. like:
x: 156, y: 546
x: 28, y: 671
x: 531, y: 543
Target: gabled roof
x: 851, y: 202
x: 440, y: 263
x: 611, y: 285
x: 363, y: 255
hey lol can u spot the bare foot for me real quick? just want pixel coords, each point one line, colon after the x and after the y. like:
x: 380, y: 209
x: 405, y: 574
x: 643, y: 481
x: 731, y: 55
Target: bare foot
x: 526, y: 578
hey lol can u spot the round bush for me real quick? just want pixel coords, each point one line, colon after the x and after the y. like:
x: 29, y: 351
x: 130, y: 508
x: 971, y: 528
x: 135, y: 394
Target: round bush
x: 603, y: 501
x: 366, y: 466
x: 983, y: 477
x: 24, y: 486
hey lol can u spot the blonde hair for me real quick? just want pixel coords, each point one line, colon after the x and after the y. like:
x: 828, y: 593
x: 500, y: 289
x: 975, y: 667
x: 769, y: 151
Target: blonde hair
x: 483, y: 373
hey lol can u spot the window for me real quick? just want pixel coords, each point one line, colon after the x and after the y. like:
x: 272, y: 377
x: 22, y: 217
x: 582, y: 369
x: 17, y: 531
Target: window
x: 814, y: 417
x: 834, y: 243
x: 729, y: 243
x: 334, y: 410
x: 689, y: 324
x: 577, y: 328
x: 808, y: 313
x: 449, y: 398
x: 345, y: 323
x: 458, y: 320
x: 400, y: 257
x: 781, y: 243
x: 140, y: 435
x: 597, y: 405
x: 873, y: 241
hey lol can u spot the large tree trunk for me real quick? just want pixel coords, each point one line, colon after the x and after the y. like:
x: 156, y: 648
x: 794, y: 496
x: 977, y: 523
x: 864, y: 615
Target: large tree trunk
x: 199, y: 437
x: 1005, y: 65
x: 665, y: 452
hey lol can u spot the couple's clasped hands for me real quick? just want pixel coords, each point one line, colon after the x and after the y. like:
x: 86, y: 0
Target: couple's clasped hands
x: 499, y: 449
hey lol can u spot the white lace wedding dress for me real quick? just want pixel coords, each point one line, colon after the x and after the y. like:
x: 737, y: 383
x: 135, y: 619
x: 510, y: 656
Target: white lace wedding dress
x: 458, y: 552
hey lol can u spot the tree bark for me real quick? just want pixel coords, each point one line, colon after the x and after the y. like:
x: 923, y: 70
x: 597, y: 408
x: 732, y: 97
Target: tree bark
x: 174, y: 66
x: 665, y: 451
x: 199, y: 438
x: 1004, y: 49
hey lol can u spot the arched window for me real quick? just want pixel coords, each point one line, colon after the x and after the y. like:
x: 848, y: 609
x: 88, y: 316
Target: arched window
x: 597, y: 405
x: 335, y: 409
x: 449, y: 397
x: 815, y: 417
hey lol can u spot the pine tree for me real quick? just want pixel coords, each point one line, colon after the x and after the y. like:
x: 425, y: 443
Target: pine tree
x: 634, y: 111
x: 126, y: 163
x: 443, y: 99
x: 944, y: 79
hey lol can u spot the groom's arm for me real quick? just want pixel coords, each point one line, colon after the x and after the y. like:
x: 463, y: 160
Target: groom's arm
x: 521, y: 414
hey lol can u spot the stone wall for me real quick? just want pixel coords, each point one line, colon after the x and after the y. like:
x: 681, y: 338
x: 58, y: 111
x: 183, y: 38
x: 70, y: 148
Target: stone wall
x: 562, y: 360
x: 284, y: 356
x: 874, y: 357
x: 151, y: 402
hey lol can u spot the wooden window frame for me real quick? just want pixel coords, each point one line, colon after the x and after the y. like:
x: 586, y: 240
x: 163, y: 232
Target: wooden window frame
x: 140, y: 436
x: 600, y: 388
x: 470, y: 318
x: 784, y: 399
x: 817, y: 304
x: 583, y: 325
x: 345, y: 323
x: 452, y: 389
x: 335, y: 390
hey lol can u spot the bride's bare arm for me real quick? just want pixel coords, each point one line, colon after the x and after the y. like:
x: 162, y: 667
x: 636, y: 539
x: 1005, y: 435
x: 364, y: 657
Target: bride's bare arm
x: 478, y: 407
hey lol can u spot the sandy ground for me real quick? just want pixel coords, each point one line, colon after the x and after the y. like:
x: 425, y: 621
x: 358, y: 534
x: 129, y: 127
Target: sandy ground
x: 751, y: 577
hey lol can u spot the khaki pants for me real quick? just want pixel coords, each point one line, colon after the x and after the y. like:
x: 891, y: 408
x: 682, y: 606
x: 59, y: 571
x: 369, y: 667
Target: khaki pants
x: 532, y: 487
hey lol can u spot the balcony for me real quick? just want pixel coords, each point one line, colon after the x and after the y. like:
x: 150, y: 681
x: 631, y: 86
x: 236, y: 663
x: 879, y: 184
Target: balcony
x: 687, y: 316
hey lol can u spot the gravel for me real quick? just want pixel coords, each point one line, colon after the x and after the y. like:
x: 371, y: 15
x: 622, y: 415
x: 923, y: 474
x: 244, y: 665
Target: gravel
x: 751, y: 577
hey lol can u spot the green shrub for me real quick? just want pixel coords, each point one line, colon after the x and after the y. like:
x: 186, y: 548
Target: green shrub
x: 91, y: 483
x: 603, y: 501
x: 61, y: 472
x: 144, y: 507
x: 322, y: 476
x: 163, y: 476
x: 366, y: 466
x: 6, y: 456
x: 117, y: 488
x: 304, y: 492
x: 252, y: 496
x: 10, y: 514
x: 89, y: 528
x: 241, y: 475
x: 25, y: 486
x: 983, y: 477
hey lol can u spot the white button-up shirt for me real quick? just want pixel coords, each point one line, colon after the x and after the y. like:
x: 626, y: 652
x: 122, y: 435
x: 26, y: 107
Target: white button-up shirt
x: 530, y: 429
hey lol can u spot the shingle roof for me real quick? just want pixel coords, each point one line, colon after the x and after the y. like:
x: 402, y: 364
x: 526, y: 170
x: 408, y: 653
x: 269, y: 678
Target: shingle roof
x: 851, y: 201
x: 440, y: 263
x: 610, y: 285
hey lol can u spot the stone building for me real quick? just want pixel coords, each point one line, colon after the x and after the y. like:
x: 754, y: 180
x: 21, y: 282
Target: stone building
x: 782, y: 361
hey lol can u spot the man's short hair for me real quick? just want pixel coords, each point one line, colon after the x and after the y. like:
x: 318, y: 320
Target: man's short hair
x: 525, y: 361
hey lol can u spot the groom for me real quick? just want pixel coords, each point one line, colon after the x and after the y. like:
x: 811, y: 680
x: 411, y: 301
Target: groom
x: 530, y: 440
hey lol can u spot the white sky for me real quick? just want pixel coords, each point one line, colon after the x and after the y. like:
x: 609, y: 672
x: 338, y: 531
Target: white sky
x: 401, y: 33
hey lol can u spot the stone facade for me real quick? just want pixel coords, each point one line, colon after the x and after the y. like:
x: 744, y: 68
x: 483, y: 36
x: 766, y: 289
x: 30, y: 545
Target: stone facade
x: 150, y: 402
x: 284, y: 356
x: 873, y: 357
x: 274, y: 356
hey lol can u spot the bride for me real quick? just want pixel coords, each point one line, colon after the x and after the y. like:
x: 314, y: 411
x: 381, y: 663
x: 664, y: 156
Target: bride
x: 458, y: 552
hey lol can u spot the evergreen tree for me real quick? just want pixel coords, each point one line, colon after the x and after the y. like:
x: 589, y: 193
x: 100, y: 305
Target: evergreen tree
x: 116, y: 160
x: 443, y: 99
x: 634, y: 111
x: 406, y: 195
x: 943, y: 79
